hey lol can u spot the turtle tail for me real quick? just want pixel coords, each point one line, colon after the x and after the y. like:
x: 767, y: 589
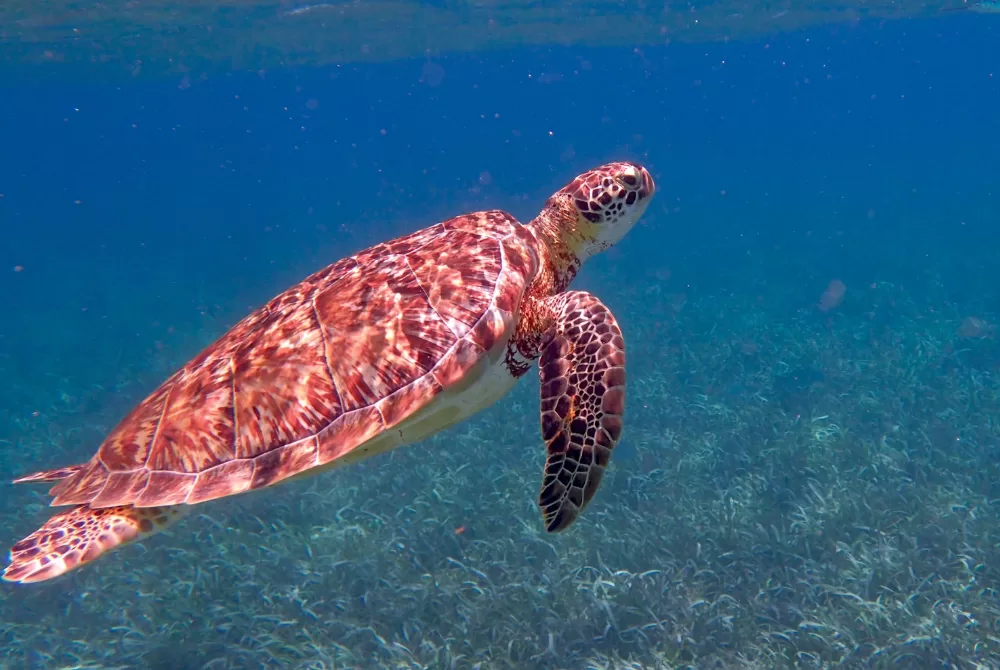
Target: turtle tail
x: 79, y: 536
x: 53, y: 475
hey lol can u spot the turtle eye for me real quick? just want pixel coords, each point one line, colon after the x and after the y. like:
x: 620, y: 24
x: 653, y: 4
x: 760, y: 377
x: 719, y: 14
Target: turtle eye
x: 629, y: 177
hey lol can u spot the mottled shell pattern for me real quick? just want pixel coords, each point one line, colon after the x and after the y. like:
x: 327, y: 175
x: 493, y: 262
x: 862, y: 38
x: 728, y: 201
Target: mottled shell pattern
x: 347, y: 354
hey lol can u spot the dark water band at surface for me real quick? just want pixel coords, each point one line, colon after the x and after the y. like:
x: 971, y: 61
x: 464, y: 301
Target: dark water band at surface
x: 146, y: 38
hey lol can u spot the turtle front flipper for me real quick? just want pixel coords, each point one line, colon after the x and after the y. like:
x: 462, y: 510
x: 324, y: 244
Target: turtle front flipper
x: 79, y: 536
x: 582, y: 373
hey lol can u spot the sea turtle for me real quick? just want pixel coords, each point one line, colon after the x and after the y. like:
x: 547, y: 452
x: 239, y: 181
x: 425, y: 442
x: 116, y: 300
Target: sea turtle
x: 378, y: 350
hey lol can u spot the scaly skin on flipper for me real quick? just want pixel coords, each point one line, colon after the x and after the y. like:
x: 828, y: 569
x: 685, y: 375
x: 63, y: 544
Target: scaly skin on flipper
x: 582, y: 374
x: 582, y: 386
x: 81, y: 535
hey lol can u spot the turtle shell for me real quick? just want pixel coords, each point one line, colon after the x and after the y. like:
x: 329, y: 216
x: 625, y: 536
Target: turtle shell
x: 345, y: 355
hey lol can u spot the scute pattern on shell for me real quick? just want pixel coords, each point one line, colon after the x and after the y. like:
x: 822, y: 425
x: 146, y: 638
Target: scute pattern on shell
x: 342, y: 356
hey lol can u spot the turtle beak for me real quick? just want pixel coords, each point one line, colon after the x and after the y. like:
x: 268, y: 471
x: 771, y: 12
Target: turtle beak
x: 648, y: 183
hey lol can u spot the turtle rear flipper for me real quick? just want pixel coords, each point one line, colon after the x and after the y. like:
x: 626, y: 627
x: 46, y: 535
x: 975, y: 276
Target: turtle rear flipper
x: 79, y: 536
x: 582, y: 373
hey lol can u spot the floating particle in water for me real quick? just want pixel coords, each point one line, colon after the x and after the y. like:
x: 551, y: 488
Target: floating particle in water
x: 973, y: 327
x: 832, y: 296
x: 432, y: 74
x: 18, y: 268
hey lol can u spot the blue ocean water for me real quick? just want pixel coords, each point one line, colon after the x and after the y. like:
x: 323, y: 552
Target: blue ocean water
x: 801, y: 484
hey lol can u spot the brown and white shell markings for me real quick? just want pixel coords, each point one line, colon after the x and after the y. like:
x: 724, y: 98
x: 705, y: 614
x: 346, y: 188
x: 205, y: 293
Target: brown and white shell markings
x: 378, y: 350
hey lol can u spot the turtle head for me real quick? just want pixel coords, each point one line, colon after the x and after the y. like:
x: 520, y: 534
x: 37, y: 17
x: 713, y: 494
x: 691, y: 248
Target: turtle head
x: 596, y: 209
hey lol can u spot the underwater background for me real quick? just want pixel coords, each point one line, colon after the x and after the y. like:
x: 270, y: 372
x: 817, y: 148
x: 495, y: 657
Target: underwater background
x: 809, y: 471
